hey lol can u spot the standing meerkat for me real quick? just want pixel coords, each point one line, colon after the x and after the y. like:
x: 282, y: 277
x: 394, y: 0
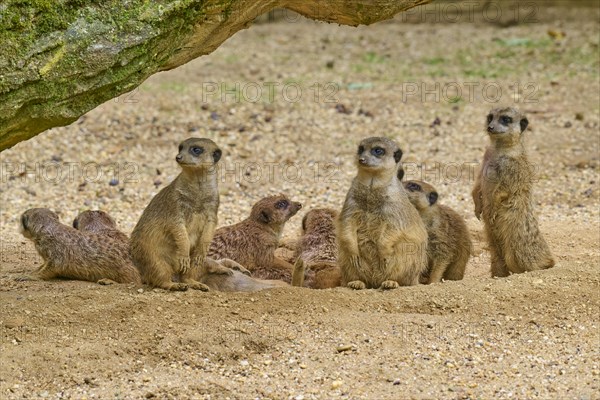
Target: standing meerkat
x: 316, y: 253
x: 503, y: 198
x: 382, y: 241
x: 73, y: 254
x: 449, y: 243
x: 175, y: 230
x: 253, y: 241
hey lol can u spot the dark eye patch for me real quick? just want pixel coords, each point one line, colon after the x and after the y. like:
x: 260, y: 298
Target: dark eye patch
x: 180, y: 147
x: 490, y: 117
x: 281, y: 204
x: 505, y: 120
x: 196, y: 151
x: 378, y: 151
x: 413, y: 187
x: 361, y: 149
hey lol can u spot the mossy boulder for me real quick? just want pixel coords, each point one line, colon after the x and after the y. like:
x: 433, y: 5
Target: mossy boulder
x: 61, y: 58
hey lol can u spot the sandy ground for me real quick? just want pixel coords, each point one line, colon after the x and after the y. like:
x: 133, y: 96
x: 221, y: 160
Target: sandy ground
x: 322, y: 88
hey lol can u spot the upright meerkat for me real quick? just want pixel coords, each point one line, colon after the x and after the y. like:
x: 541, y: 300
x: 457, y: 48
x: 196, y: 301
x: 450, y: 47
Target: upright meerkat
x: 449, y: 243
x: 503, y: 198
x: 253, y: 241
x: 316, y: 252
x: 73, y: 254
x: 175, y: 230
x: 382, y: 241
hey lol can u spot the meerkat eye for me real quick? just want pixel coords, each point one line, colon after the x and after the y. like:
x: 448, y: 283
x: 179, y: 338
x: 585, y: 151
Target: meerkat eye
x: 361, y: 149
x: 377, y: 151
x: 490, y: 117
x: 413, y: 187
x: 195, y: 150
x: 505, y: 120
x: 281, y: 204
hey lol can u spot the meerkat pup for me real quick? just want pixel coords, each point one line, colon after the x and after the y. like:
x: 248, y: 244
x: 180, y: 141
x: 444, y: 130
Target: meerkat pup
x: 316, y: 253
x: 449, y: 243
x: 382, y: 241
x: 175, y: 230
x: 253, y: 241
x: 73, y: 254
x: 504, y: 200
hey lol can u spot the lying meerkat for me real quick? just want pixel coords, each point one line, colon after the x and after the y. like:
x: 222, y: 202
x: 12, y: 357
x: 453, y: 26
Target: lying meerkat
x: 504, y: 200
x: 316, y: 253
x: 73, y: 254
x: 253, y: 241
x: 382, y: 241
x: 449, y: 242
x: 175, y: 230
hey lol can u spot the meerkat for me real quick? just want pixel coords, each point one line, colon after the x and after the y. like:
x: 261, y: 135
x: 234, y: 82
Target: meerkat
x: 316, y: 253
x: 504, y: 200
x: 73, y: 254
x: 173, y: 234
x: 253, y: 241
x: 238, y: 282
x: 449, y: 243
x: 382, y: 241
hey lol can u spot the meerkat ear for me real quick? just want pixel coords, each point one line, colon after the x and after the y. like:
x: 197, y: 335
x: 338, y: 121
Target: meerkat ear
x: 265, y: 216
x: 524, y: 123
x: 400, y: 174
x: 24, y: 220
x: 304, y: 222
x: 432, y: 197
x: 76, y: 223
x: 398, y: 155
x: 217, y: 155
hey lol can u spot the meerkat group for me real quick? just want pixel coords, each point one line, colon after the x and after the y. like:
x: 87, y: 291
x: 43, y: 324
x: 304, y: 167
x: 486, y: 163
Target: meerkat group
x: 388, y: 233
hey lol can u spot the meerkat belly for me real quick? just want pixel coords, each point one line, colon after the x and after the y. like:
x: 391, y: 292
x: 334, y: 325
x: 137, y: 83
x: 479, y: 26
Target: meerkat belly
x: 195, y: 227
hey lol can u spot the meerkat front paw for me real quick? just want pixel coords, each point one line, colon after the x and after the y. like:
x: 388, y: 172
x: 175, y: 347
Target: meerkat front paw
x: 387, y: 285
x: 357, y: 285
x: 198, y: 286
x: 226, y: 262
x: 25, y: 278
x: 106, y: 282
x: 184, y: 265
x: 213, y: 267
x: 176, y: 287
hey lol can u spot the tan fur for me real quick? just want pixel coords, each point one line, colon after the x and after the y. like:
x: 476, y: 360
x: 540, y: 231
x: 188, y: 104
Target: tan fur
x: 77, y: 254
x: 449, y: 242
x: 316, y: 253
x: 253, y: 241
x: 238, y: 282
x: 504, y: 200
x: 175, y: 230
x: 382, y: 240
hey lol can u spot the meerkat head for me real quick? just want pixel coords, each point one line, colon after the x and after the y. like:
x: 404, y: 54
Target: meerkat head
x: 196, y: 153
x: 91, y: 221
x: 35, y: 219
x: 318, y: 217
x: 378, y: 154
x: 506, y: 124
x: 421, y: 194
x: 274, y: 210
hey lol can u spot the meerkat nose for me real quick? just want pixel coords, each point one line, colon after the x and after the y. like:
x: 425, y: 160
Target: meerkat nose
x: 490, y: 129
x: 299, y: 205
x: 179, y: 158
x: 362, y: 160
